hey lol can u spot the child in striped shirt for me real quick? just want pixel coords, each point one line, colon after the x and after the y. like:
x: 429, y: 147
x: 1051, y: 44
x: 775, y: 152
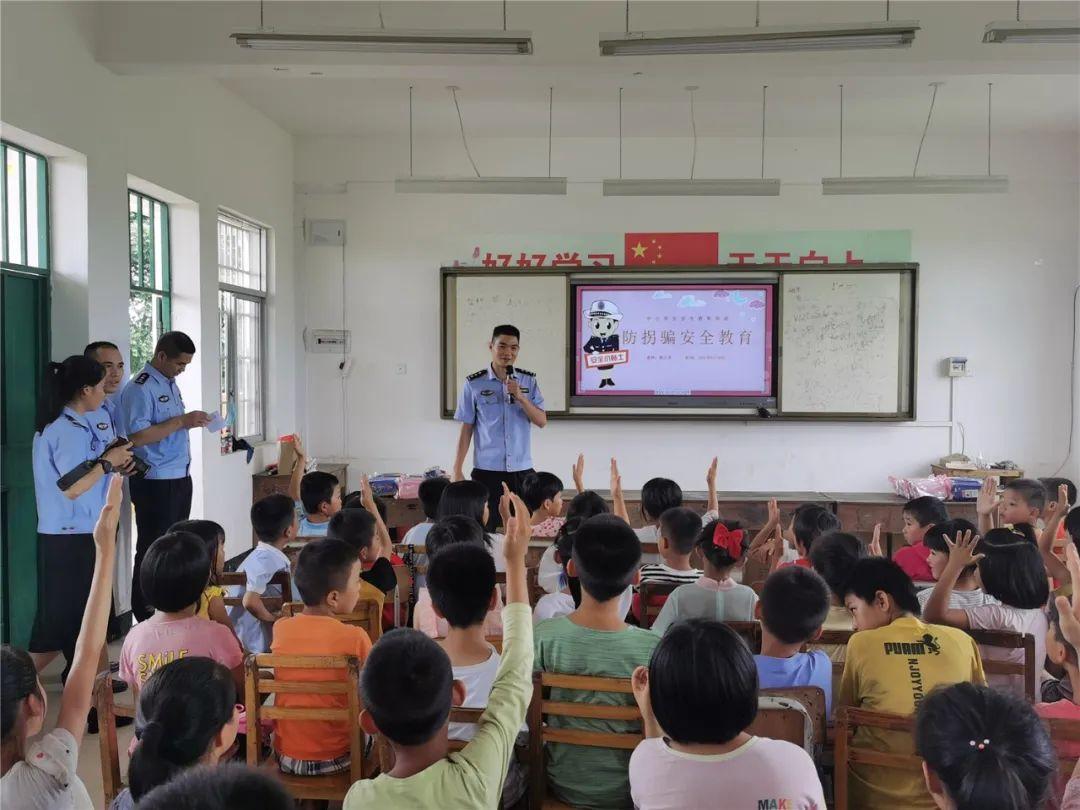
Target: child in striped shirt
x: 679, y: 530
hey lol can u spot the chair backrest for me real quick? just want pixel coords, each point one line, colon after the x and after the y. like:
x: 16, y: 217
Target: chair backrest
x: 757, y: 586
x: 258, y: 686
x: 750, y: 632
x: 838, y: 638
x: 848, y: 754
x: 541, y: 732
x: 403, y: 591
x: 652, y: 596
x: 367, y: 614
x: 496, y: 642
x: 1008, y: 640
x: 812, y: 699
x: 784, y: 718
x: 282, y: 579
x: 108, y: 710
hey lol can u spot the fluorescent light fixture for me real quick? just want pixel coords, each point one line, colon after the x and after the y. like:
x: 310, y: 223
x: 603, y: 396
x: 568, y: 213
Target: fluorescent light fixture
x: 1034, y: 32
x: 380, y: 40
x: 480, y: 185
x: 761, y: 39
x: 735, y: 187
x: 928, y: 184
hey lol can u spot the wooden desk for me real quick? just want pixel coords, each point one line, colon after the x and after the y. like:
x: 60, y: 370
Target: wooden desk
x: 859, y: 511
x: 263, y: 484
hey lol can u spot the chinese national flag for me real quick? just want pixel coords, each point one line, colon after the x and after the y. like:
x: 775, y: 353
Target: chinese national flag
x: 672, y: 249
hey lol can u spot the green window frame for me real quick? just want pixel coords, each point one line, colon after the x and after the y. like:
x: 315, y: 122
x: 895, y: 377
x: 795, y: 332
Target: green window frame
x: 149, y: 250
x: 24, y: 210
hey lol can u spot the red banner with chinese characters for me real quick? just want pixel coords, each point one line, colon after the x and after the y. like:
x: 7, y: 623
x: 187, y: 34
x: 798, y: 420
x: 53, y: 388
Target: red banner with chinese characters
x: 672, y: 249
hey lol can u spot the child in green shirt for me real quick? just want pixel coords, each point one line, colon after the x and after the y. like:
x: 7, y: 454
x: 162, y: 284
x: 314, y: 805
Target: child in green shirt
x: 407, y: 688
x: 594, y: 640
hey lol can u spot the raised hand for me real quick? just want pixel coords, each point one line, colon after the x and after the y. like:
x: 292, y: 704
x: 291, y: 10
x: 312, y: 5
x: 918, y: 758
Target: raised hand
x: 109, y: 518
x: 367, y: 497
x: 1056, y: 510
x: 1069, y: 609
x: 710, y: 475
x: 875, y: 549
x: 962, y: 551
x: 579, y: 473
x: 616, y: 479
x: 989, y: 500
x: 774, y: 512
x: 517, y: 525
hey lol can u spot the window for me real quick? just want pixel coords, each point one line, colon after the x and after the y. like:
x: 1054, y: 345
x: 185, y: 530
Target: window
x: 25, y: 209
x: 241, y: 299
x: 149, y: 308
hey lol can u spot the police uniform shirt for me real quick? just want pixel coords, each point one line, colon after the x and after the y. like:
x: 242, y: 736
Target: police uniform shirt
x: 112, y: 407
x: 502, y: 430
x: 64, y: 444
x: 150, y: 399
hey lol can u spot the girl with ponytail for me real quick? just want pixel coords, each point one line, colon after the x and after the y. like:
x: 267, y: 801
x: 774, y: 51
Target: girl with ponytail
x: 983, y: 749
x: 187, y: 715
x: 73, y: 434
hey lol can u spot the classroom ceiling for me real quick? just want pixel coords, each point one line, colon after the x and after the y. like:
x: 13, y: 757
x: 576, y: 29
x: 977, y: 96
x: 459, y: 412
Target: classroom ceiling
x: 1036, y: 87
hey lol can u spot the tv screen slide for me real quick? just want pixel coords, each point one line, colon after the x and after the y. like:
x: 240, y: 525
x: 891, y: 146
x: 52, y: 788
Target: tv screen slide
x: 682, y: 340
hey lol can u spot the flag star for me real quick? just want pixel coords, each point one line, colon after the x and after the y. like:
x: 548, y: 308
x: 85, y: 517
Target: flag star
x: 639, y: 250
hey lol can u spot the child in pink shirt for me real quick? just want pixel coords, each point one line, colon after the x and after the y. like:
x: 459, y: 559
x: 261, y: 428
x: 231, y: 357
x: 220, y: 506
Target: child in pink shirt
x: 542, y: 493
x: 696, y: 748
x: 174, y: 573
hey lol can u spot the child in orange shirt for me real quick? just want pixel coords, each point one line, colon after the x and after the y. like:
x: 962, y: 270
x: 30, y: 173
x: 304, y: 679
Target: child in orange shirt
x: 328, y: 578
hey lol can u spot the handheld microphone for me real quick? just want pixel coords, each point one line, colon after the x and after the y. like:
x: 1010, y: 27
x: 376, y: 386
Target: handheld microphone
x: 510, y: 376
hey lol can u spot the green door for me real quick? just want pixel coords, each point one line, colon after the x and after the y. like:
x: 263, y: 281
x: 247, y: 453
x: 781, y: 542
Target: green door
x: 24, y: 310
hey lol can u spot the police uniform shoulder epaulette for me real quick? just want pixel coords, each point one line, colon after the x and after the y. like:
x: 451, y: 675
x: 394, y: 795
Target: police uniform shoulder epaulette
x: 477, y: 375
x: 142, y: 378
x: 524, y: 371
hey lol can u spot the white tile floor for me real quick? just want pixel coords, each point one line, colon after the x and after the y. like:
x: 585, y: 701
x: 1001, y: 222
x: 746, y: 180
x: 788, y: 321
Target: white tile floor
x: 89, y: 753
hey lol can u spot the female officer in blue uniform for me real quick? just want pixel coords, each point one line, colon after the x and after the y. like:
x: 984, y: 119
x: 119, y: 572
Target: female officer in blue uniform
x: 66, y: 439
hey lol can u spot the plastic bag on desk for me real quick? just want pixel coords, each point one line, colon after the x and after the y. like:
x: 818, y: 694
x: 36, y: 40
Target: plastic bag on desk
x: 409, y: 486
x: 435, y: 472
x: 385, y: 485
x: 936, y: 486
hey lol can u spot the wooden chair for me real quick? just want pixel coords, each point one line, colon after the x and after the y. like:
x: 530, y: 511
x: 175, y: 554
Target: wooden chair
x: 1008, y: 640
x: 283, y: 579
x: 650, y: 601
x: 403, y: 591
x: 783, y: 718
x: 334, y: 786
x: 496, y: 642
x: 541, y: 732
x: 812, y: 699
x: 757, y: 586
x: 367, y: 614
x: 848, y: 754
x: 750, y: 632
x: 108, y: 710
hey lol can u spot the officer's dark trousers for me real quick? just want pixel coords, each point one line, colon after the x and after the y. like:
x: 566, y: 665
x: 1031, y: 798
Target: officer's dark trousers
x: 158, y: 505
x: 493, y: 480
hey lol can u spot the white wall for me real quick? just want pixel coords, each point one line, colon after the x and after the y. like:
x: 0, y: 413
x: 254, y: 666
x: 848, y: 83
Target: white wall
x: 997, y: 274
x: 195, y: 141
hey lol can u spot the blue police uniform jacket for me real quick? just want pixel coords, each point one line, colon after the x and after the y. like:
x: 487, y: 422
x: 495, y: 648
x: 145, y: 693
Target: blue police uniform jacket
x: 64, y: 444
x: 149, y: 399
x: 502, y: 430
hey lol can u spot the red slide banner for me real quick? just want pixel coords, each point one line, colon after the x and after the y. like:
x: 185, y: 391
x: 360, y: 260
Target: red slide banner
x: 672, y: 249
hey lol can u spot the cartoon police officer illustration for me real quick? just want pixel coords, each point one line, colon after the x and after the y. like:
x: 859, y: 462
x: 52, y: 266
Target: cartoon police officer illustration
x: 604, y: 317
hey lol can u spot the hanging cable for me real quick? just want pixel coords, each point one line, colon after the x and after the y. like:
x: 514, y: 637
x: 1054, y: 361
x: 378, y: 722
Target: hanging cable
x: 764, y: 87
x: 261, y: 10
x: 1018, y: 10
x: 382, y: 25
x: 757, y: 13
x: 693, y: 132
x: 620, y: 129
x: 886, y: 10
x: 551, y: 95
x: 989, y: 118
x: 504, y: 15
x: 461, y: 125
x: 410, y: 132
x: 628, y: 16
x: 1072, y: 385
x: 342, y: 367
x: 926, y: 128
x: 841, y: 131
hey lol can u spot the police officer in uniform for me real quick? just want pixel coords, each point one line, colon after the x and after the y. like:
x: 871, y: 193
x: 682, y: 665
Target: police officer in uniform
x: 72, y: 443
x: 497, y: 409
x: 155, y: 420
x: 108, y: 354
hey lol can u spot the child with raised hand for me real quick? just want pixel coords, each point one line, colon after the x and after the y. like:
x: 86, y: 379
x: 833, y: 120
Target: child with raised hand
x: 715, y: 595
x: 462, y: 584
x: 173, y: 576
x: 1057, y: 515
x: 809, y: 521
x: 446, y: 532
x: 407, y: 688
x: 967, y: 592
x: 1063, y: 655
x: 274, y: 521
x: 187, y: 715
x: 594, y: 640
x: 697, y: 697
x: 542, y: 493
x: 316, y: 495
x: 794, y: 604
x: 212, y: 601
x: 657, y: 496
x: 891, y: 663
x: 328, y: 578
x: 365, y: 532
x: 1012, y: 572
x: 43, y: 774
x: 983, y: 750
